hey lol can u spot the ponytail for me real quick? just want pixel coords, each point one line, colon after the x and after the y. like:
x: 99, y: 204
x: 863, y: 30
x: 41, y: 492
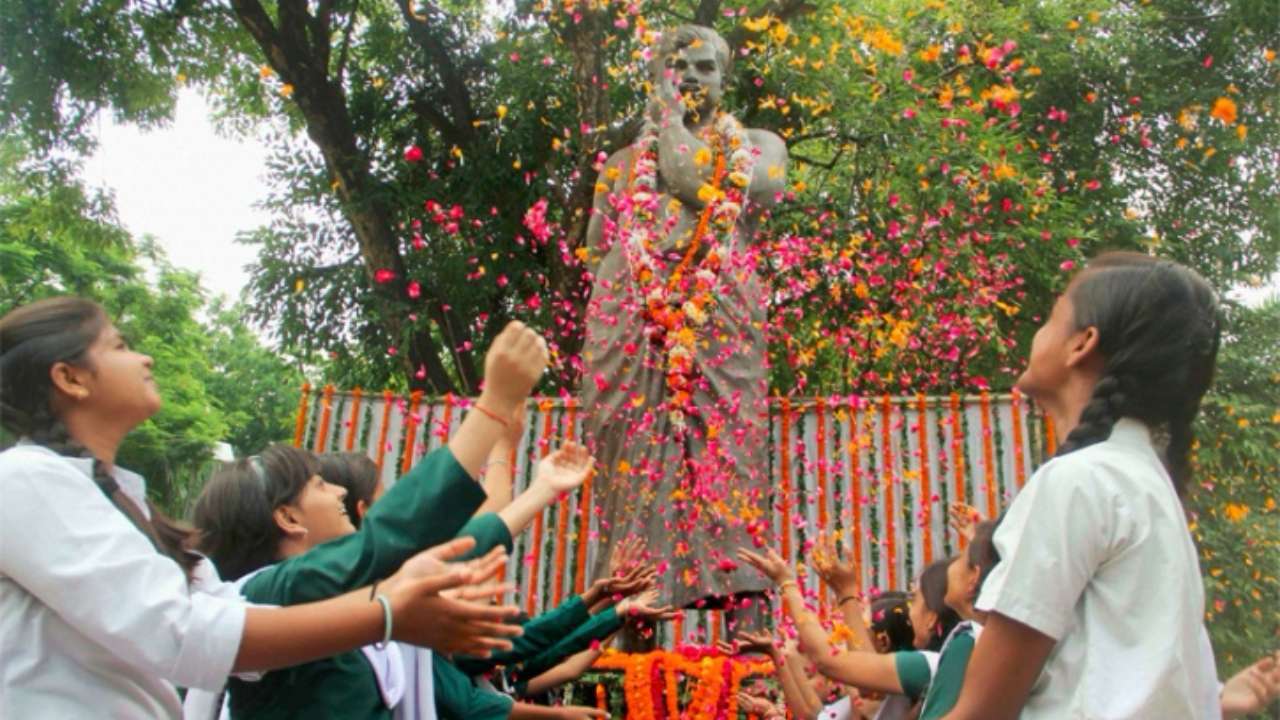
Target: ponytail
x: 1158, y: 335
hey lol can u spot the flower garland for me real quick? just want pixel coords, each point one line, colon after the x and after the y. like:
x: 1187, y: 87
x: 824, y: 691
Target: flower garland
x: 718, y: 679
x: 675, y: 308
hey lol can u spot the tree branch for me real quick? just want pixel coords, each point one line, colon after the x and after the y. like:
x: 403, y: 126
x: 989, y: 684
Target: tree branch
x: 455, y: 90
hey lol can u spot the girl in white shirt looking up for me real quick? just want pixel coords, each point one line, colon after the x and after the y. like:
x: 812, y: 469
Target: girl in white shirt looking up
x: 1095, y: 551
x: 95, y: 607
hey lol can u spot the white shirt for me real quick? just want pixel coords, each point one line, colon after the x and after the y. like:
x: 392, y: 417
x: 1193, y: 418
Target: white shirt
x: 1095, y: 553
x: 94, y: 621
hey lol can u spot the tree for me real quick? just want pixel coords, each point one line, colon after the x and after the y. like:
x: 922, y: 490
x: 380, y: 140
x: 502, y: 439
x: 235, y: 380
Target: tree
x: 255, y: 389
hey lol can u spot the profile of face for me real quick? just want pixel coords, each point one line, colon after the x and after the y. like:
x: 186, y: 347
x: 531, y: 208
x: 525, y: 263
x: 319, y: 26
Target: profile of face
x: 318, y: 513
x: 923, y: 620
x: 1058, y: 348
x: 694, y: 73
x: 114, y: 381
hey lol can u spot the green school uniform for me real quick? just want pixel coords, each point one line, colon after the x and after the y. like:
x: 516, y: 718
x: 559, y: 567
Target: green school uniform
x: 428, y: 506
x: 940, y: 687
x: 548, y: 639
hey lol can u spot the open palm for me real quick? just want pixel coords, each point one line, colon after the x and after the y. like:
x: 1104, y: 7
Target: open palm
x: 565, y: 469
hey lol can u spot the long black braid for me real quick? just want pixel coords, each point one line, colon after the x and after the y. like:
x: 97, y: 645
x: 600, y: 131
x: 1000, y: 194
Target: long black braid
x: 32, y: 339
x: 1158, y: 333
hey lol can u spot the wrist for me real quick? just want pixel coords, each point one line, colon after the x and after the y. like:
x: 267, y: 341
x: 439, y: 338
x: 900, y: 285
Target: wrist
x: 502, y: 407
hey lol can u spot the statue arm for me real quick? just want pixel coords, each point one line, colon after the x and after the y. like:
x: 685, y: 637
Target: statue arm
x: 677, y: 161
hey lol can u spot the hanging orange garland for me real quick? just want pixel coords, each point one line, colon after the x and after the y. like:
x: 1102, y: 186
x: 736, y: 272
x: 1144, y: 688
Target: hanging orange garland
x: 855, y: 483
x: 926, y: 488
x: 886, y: 440
x: 988, y: 455
x: 300, y: 427
x: 531, y: 599
x: 784, y: 527
x: 411, y: 430
x: 326, y: 415
x: 562, y: 529
x: 386, y: 424
x: 1051, y: 437
x: 1019, y: 473
x: 717, y: 681
x: 957, y: 455
x: 354, y: 420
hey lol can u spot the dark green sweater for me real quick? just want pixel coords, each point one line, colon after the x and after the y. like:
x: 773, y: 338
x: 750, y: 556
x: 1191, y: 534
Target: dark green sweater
x: 426, y: 507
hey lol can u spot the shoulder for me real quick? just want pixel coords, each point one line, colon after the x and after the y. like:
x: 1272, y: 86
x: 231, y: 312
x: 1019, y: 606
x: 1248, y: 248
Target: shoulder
x: 24, y: 464
x: 766, y: 140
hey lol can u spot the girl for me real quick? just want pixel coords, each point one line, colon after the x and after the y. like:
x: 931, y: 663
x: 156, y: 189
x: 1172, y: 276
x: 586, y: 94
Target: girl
x: 276, y: 525
x: 1095, y: 549
x: 935, y: 678
x: 95, y: 607
x: 358, y: 475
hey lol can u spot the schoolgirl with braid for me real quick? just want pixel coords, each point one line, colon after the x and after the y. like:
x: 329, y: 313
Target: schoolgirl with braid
x: 98, y: 613
x: 1096, y: 608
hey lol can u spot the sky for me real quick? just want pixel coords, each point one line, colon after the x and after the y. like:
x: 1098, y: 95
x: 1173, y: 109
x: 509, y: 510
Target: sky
x: 188, y: 187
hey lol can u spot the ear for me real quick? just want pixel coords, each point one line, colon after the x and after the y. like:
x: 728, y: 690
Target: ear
x: 287, y: 520
x: 70, y: 380
x: 1083, y: 347
x: 362, y: 507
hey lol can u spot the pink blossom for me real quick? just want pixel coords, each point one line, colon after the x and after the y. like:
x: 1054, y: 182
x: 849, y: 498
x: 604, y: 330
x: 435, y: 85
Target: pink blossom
x: 383, y: 275
x: 414, y: 289
x: 413, y: 154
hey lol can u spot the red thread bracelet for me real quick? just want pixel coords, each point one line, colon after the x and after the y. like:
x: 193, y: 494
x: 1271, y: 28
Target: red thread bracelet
x: 491, y: 414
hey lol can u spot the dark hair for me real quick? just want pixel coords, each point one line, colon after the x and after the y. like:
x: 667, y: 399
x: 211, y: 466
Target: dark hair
x: 1158, y: 335
x: 933, y: 586
x: 891, y: 620
x: 355, y: 472
x: 982, y: 553
x: 235, y: 511
x: 34, y: 338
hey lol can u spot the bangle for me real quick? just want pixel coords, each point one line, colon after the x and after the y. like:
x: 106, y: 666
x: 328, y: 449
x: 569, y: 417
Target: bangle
x: 491, y: 415
x: 373, y: 591
x: 499, y: 461
x: 846, y: 599
x: 782, y: 586
x: 386, y: 621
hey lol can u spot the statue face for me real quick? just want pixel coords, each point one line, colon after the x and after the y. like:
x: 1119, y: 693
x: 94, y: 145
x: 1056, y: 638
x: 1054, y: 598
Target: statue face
x: 695, y: 74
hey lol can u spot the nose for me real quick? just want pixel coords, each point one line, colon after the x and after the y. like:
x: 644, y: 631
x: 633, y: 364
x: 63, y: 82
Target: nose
x: 148, y: 361
x: 338, y: 490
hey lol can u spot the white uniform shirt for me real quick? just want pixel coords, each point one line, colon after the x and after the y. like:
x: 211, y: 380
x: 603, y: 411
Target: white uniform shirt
x: 93, y: 621
x: 1095, y: 553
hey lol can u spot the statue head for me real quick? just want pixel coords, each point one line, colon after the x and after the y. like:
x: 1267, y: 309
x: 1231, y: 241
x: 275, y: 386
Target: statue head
x: 694, y: 60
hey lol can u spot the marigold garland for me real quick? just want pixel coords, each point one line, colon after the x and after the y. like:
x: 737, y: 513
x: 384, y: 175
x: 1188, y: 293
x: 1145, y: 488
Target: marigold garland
x: 718, y: 679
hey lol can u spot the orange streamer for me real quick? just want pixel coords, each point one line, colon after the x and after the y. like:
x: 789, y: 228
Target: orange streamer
x: 531, y: 600
x: 957, y: 455
x: 824, y: 524
x: 926, y: 485
x: 354, y: 420
x: 562, y: 529
x: 886, y: 438
x: 1016, y: 410
x: 785, y: 525
x: 300, y: 426
x: 1051, y: 437
x: 326, y: 415
x: 382, y: 434
x: 411, y: 430
x: 602, y: 698
x: 988, y: 455
x: 855, y: 483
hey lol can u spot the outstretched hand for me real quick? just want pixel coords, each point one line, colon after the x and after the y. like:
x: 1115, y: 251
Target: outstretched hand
x: 645, y: 608
x: 746, y: 643
x: 1252, y: 689
x: 770, y: 563
x: 835, y: 567
x: 964, y: 519
x: 565, y: 469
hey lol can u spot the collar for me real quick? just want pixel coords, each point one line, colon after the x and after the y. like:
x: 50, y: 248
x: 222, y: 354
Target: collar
x: 1128, y: 431
x: 131, y: 483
